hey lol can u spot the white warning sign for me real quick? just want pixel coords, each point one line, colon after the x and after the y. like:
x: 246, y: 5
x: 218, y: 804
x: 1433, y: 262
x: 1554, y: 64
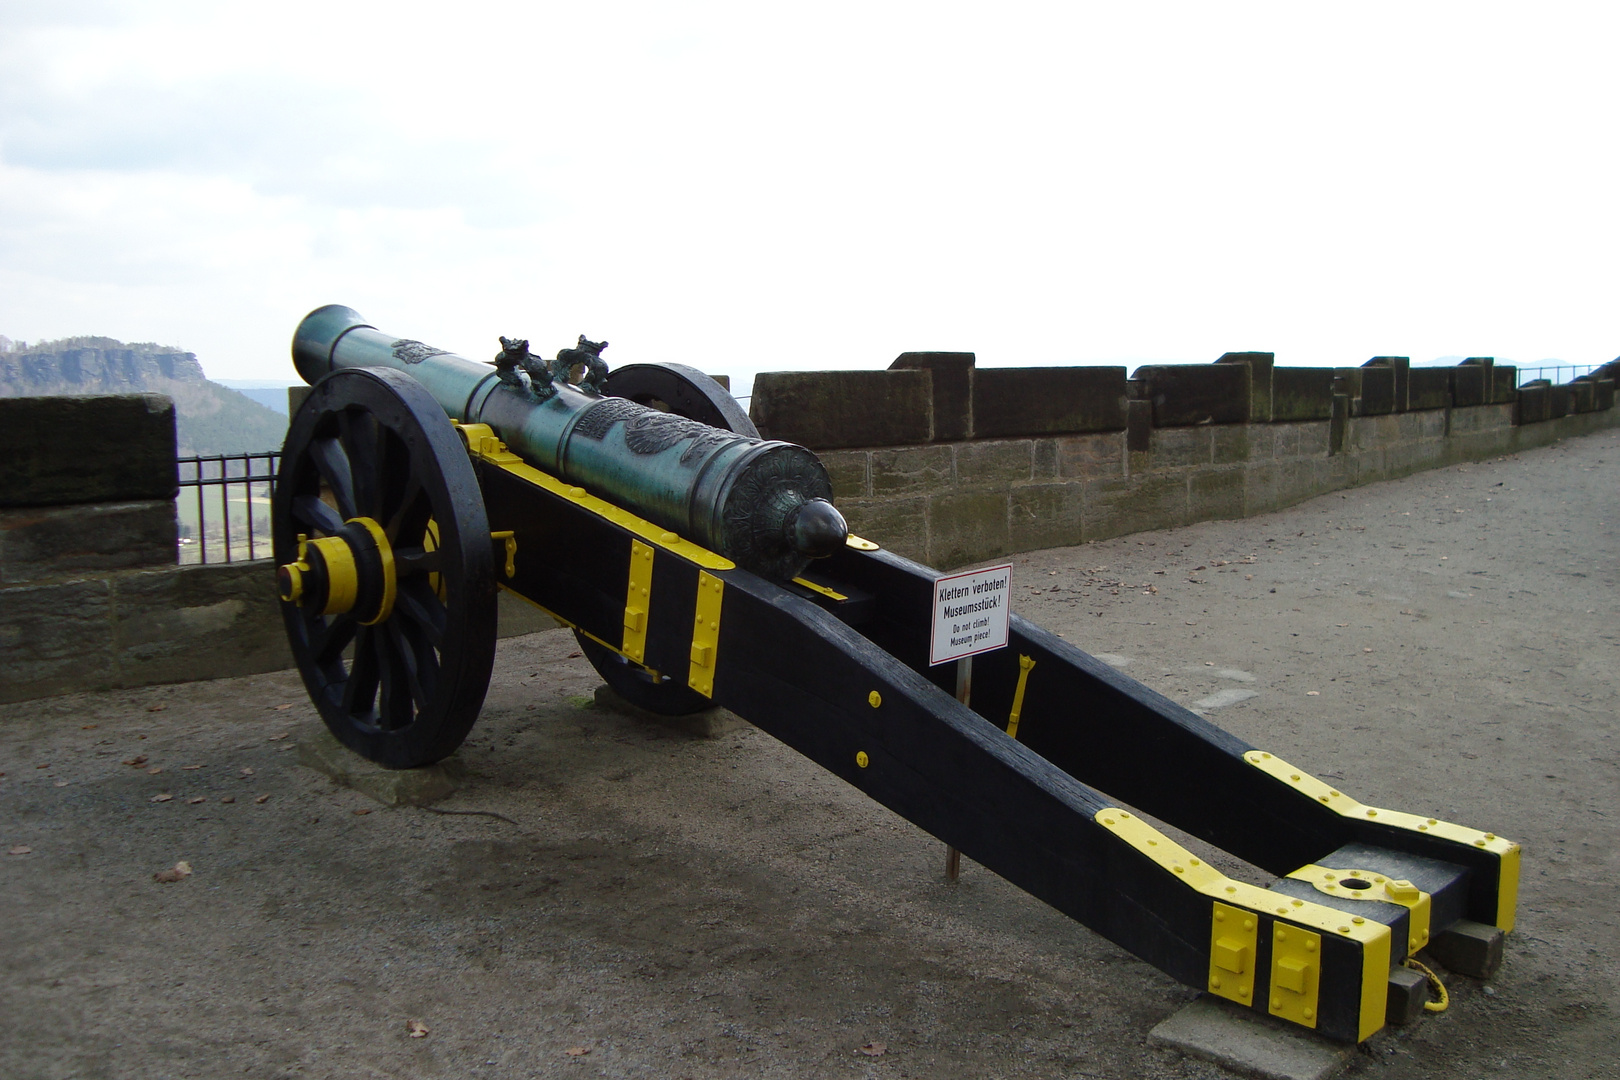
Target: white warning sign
x: 971, y: 613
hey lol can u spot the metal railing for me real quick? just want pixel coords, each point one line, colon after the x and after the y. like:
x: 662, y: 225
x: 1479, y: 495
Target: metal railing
x: 1557, y: 373
x: 228, y: 486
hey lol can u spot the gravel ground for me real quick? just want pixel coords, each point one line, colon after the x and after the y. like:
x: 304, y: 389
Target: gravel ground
x: 664, y: 906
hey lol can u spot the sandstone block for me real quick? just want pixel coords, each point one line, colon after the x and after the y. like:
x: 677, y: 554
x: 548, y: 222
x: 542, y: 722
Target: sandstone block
x: 1301, y: 393
x: 1188, y: 394
x: 826, y: 410
x: 967, y: 528
x: 953, y: 375
x: 108, y: 448
x: 51, y: 541
x: 1047, y: 401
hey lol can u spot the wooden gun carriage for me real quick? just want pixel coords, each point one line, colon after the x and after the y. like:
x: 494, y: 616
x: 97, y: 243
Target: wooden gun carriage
x: 700, y: 565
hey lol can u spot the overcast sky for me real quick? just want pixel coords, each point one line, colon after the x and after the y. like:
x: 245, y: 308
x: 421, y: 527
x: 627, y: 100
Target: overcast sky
x: 757, y: 186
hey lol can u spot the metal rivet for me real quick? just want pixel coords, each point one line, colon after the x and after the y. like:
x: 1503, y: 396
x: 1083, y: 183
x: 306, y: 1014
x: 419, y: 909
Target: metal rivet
x: 1490, y: 836
x: 1344, y: 929
x: 1248, y: 924
x: 1231, y: 888
x: 1432, y: 821
x: 1479, y: 843
x: 1110, y: 821
x: 861, y: 759
x: 1423, y: 828
x: 1181, y: 869
x: 1299, y: 903
x: 1220, y: 916
x: 1266, y: 756
x: 1215, y: 983
x: 1372, y: 813
x: 1310, y: 946
x: 1307, y: 1014
x: 1276, y: 1003
x: 1193, y: 861
x: 1295, y: 776
x: 668, y: 538
x: 1335, y: 794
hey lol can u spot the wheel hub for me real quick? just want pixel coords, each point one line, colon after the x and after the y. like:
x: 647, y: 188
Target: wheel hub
x: 350, y: 571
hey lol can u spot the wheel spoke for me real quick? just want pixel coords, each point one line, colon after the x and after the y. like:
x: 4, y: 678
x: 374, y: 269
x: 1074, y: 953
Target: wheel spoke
x: 327, y: 643
x: 359, y: 433
x: 417, y: 602
x: 394, y: 701
x: 416, y: 562
x: 402, y: 511
x: 333, y: 463
x: 361, y: 688
x: 316, y: 514
x: 417, y: 660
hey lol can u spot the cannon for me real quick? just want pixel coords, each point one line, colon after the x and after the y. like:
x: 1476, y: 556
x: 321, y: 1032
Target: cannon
x: 700, y: 565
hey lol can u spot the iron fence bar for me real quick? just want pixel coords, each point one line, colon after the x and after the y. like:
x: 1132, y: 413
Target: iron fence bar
x: 194, y: 472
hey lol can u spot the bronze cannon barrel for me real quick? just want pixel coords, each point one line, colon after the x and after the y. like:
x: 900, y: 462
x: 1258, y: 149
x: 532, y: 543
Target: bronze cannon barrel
x: 764, y: 504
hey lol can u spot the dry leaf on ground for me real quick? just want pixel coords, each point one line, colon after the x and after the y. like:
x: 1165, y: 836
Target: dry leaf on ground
x: 262, y: 798
x: 22, y: 849
x: 196, y: 800
x: 577, y: 1051
x: 873, y: 1049
x: 136, y: 760
x: 154, y: 770
x: 165, y: 797
x: 159, y: 707
x: 417, y: 1029
x: 283, y: 735
x: 228, y: 798
x: 190, y: 768
x: 178, y: 872
x: 360, y: 813
x: 247, y: 772
x: 284, y: 708
x: 61, y: 783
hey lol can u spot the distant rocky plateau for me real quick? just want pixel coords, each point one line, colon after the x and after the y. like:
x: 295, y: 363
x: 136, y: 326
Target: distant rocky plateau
x: 210, y: 418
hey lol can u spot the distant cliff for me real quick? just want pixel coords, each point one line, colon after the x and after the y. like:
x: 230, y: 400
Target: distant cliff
x: 211, y: 419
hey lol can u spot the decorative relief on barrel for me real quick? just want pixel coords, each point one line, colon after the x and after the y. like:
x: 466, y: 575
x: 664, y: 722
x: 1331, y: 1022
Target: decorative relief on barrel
x: 407, y: 351
x: 647, y: 431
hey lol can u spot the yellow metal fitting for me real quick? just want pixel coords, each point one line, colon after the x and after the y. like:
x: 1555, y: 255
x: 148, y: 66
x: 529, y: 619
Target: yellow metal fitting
x: 874, y: 699
x: 861, y: 759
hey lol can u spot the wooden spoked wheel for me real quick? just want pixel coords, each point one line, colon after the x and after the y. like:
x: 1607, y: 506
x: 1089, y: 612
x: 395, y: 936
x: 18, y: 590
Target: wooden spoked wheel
x: 385, y: 567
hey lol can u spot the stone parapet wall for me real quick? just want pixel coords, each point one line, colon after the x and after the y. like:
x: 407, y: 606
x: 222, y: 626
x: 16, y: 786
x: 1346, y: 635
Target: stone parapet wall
x: 951, y: 504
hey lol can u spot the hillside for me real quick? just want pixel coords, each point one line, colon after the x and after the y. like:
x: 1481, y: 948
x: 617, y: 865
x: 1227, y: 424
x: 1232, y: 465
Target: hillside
x: 211, y: 419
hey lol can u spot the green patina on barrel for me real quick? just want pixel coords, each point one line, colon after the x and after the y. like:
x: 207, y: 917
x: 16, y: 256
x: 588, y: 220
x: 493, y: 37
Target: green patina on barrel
x: 762, y: 503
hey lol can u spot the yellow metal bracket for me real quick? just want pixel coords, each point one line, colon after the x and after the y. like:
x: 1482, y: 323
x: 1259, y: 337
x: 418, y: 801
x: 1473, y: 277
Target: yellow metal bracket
x: 638, y: 601
x: 831, y: 594
x: 1024, y: 664
x: 509, y: 540
x: 1233, y: 945
x: 1300, y: 915
x: 706, y: 633
x: 1296, y: 973
x: 1371, y: 885
x: 1506, y: 851
x: 861, y: 544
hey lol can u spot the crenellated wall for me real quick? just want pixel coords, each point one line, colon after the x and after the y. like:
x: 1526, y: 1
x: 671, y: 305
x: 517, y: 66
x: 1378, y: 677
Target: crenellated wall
x: 1017, y: 459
